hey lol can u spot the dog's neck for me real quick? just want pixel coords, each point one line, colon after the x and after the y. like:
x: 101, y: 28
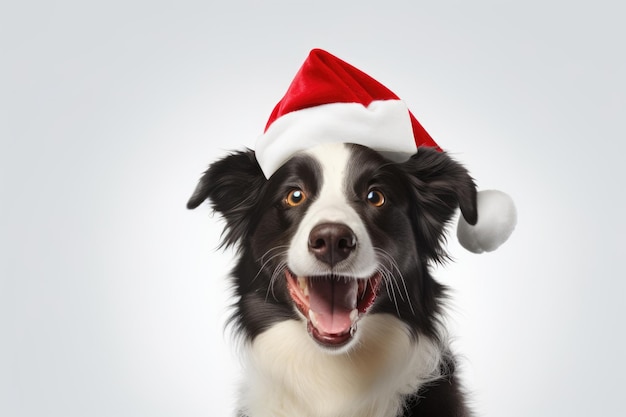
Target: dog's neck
x: 289, y: 375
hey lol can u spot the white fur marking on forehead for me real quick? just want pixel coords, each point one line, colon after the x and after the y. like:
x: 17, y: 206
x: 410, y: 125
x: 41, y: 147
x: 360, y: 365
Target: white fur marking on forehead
x: 333, y: 157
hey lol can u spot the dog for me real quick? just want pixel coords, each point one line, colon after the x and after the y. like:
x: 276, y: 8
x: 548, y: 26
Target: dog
x: 334, y: 299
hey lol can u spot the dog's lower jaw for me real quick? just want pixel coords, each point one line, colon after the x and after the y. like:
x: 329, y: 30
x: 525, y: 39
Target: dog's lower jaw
x: 288, y: 374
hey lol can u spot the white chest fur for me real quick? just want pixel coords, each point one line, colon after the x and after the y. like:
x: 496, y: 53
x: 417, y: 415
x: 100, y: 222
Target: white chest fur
x: 288, y: 375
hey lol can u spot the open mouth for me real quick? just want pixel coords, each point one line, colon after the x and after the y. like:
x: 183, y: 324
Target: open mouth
x: 332, y: 304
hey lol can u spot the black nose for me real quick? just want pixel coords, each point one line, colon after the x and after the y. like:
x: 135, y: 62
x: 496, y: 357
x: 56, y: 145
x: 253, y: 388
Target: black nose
x: 331, y: 243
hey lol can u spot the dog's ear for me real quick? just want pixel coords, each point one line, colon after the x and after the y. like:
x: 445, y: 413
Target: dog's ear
x: 439, y: 185
x: 233, y: 186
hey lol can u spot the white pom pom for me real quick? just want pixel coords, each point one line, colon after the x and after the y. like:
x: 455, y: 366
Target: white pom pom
x: 497, y: 218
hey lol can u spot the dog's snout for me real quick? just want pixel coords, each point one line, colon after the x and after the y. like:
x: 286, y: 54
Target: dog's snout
x: 331, y: 243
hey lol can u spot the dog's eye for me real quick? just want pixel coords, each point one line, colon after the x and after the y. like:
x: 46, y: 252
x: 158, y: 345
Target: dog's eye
x: 295, y: 198
x: 375, y: 198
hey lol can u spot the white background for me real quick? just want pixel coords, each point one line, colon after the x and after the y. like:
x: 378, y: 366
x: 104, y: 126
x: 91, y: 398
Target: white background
x: 112, y: 295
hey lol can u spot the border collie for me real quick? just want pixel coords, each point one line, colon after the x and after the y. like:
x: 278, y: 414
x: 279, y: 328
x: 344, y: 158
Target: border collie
x: 334, y: 299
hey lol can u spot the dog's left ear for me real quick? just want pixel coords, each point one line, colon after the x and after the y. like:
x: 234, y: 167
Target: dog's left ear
x: 439, y: 185
x: 233, y: 186
x: 435, y: 174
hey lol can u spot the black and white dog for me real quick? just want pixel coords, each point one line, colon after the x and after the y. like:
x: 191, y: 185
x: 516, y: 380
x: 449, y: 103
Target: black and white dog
x: 335, y: 300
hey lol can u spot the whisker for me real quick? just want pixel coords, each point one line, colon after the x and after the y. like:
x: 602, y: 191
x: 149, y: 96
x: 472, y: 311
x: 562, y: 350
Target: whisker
x: 262, y: 267
x: 266, y: 259
x: 275, y: 274
x: 391, y: 291
x: 406, y: 291
x: 388, y: 266
x: 281, y: 247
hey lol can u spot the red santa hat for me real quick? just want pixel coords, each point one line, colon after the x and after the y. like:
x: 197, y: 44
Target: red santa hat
x: 329, y: 100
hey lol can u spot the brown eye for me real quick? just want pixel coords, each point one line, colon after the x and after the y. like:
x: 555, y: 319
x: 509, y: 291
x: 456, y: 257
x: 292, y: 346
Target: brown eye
x: 295, y: 198
x: 375, y: 198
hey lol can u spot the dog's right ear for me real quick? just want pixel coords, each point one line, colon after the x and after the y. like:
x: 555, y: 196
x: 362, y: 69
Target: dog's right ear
x: 233, y: 186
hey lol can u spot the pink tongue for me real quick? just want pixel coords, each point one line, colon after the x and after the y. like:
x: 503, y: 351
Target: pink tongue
x: 332, y: 300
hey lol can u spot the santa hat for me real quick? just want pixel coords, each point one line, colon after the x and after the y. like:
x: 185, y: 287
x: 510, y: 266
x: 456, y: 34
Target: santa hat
x: 329, y: 100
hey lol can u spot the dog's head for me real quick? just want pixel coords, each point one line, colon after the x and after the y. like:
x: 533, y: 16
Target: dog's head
x: 338, y: 232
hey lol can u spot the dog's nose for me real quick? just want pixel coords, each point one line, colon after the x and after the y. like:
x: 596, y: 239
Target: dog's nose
x: 331, y: 243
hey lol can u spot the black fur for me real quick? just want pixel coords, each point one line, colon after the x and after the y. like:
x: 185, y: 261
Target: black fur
x: 423, y: 194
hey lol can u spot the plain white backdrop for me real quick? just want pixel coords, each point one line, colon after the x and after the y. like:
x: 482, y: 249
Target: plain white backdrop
x: 113, y: 296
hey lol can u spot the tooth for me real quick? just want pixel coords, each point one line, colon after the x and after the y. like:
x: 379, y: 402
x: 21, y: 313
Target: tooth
x: 362, y: 288
x: 302, y: 283
x: 353, y: 315
x: 304, y: 286
x: 312, y: 317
